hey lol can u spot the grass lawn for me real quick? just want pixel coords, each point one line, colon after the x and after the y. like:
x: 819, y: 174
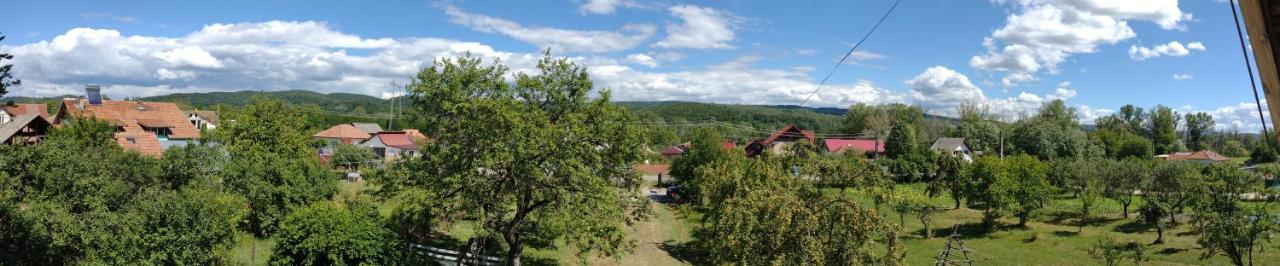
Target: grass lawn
x: 249, y: 250
x: 1053, y: 238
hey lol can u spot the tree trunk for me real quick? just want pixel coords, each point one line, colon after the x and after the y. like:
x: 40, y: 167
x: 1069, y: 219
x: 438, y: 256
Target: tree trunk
x: 515, y: 249
x: 1159, y: 234
x: 1022, y: 219
x: 1126, y: 209
x: 957, y: 202
x: 928, y: 234
x: 469, y: 249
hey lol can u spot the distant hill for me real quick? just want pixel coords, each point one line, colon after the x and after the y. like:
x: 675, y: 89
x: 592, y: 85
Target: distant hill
x: 347, y: 103
x: 364, y: 107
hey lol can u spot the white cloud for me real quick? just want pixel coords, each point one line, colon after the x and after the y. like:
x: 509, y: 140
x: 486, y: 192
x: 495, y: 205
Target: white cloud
x: 1182, y: 76
x: 864, y: 56
x: 629, y: 36
x: 605, y: 7
x: 1173, y: 48
x: 277, y: 56
x: 700, y: 28
x: 804, y: 51
x: 125, y: 19
x: 1243, y: 116
x: 941, y: 89
x: 642, y: 59
x: 1041, y: 34
x: 735, y: 81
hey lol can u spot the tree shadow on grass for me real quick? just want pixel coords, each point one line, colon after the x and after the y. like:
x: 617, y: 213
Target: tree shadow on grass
x: 684, y: 252
x: 1133, y: 227
x: 1170, y: 251
x: 966, y: 231
x: 1065, y: 233
x: 1095, y: 221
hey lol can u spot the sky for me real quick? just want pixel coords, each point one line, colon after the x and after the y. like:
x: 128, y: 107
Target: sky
x: 1007, y: 55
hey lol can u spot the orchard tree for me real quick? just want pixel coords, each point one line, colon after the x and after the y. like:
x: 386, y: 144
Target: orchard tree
x: 989, y: 189
x: 1123, y: 178
x: 912, y: 202
x: 327, y: 234
x: 537, y: 161
x: 706, y: 148
x: 1027, y: 187
x: 272, y: 162
x: 950, y: 177
x: 1177, y: 185
x: 353, y: 157
x: 1153, y: 211
x: 1227, y: 226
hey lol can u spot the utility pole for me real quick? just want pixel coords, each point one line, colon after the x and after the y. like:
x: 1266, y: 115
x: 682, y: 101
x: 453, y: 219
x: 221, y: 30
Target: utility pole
x: 391, y: 102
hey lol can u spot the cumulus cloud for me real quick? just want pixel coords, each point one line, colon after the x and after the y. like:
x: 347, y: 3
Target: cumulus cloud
x: 629, y: 36
x: 606, y: 7
x: 1041, y: 34
x: 1242, y: 116
x: 700, y: 28
x: 940, y: 88
x: 642, y: 59
x: 273, y: 55
x: 1174, y: 49
x: 1182, y: 76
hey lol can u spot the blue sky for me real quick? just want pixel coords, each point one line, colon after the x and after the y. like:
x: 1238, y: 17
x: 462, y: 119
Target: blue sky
x: 1010, y: 55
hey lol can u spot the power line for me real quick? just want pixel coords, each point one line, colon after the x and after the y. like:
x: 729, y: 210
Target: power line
x: 855, y: 47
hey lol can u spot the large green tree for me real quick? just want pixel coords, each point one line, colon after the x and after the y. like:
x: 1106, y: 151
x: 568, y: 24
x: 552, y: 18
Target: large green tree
x: 537, y: 161
x: 6, y: 78
x: 1199, y: 125
x: 1028, y: 187
x: 1162, y: 124
x: 272, y: 163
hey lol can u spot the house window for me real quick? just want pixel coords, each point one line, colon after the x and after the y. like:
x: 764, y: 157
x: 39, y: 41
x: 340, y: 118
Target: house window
x: 161, y: 132
x: 381, y: 152
x: 131, y: 140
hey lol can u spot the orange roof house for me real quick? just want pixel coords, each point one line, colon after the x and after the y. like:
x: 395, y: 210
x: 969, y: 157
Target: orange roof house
x: 146, y: 127
x: 26, y: 108
x: 785, y: 136
x: 1204, y: 156
x: 345, y: 133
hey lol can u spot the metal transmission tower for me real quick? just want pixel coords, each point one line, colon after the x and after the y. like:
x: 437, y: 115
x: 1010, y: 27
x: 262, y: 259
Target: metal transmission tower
x: 954, y: 243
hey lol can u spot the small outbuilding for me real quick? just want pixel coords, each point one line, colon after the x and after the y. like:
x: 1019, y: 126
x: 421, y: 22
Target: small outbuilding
x: 954, y: 147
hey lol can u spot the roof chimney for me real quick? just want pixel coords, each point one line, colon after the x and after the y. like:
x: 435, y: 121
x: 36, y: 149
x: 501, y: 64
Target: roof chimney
x: 94, y: 93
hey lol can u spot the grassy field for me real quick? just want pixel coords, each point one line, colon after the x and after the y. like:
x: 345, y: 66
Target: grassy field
x: 1055, y: 237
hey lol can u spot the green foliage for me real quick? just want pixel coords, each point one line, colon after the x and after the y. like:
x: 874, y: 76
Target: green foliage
x: 1123, y: 178
x: 911, y: 201
x: 1233, y: 148
x: 706, y: 147
x: 901, y: 141
x: 1199, y: 125
x: 272, y: 163
x: 1162, y: 123
x: 6, y: 78
x: 77, y: 198
x: 1111, y: 252
x: 1262, y: 154
x: 1235, y: 231
x: 538, y: 161
x: 758, y: 213
x: 353, y: 157
x: 194, y: 163
x: 1028, y: 188
x: 327, y: 234
x: 988, y: 182
x: 739, y: 115
x: 1133, y: 146
x: 980, y: 132
x: 855, y: 119
x: 951, y: 177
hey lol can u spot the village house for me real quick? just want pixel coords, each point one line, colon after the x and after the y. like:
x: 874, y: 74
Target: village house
x: 203, y: 120
x: 391, y: 145
x: 781, y: 141
x: 954, y: 147
x: 1201, y: 156
x: 340, y: 134
x: 369, y: 128
x: 145, y: 127
x: 9, y: 112
x: 840, y: 146
x: 25, y: 129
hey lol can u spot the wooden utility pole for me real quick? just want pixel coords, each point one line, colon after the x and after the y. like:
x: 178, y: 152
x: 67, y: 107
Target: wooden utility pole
x: 1261, y: 21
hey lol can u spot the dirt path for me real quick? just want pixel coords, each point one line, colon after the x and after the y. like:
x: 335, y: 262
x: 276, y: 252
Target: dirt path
x: 663, y: 227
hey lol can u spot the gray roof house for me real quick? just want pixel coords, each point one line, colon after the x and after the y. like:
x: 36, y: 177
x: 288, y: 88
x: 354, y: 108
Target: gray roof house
x: 369, y: 128
x: 953, y: 146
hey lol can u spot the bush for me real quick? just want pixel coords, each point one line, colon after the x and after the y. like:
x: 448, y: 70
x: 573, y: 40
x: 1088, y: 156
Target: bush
x: 327, y: 234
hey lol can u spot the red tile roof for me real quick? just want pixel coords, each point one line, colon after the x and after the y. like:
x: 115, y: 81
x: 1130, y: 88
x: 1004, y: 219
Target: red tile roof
x: 344, y: 132
x: 673, y: 150
x: 132, y: 116
x: 1201, y: 155
x: 790, y: 131
x: 27, y: 108
x: 863, y: 145
x: 397, y: 139
x: 652, y: 169
x: 417, y: 136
